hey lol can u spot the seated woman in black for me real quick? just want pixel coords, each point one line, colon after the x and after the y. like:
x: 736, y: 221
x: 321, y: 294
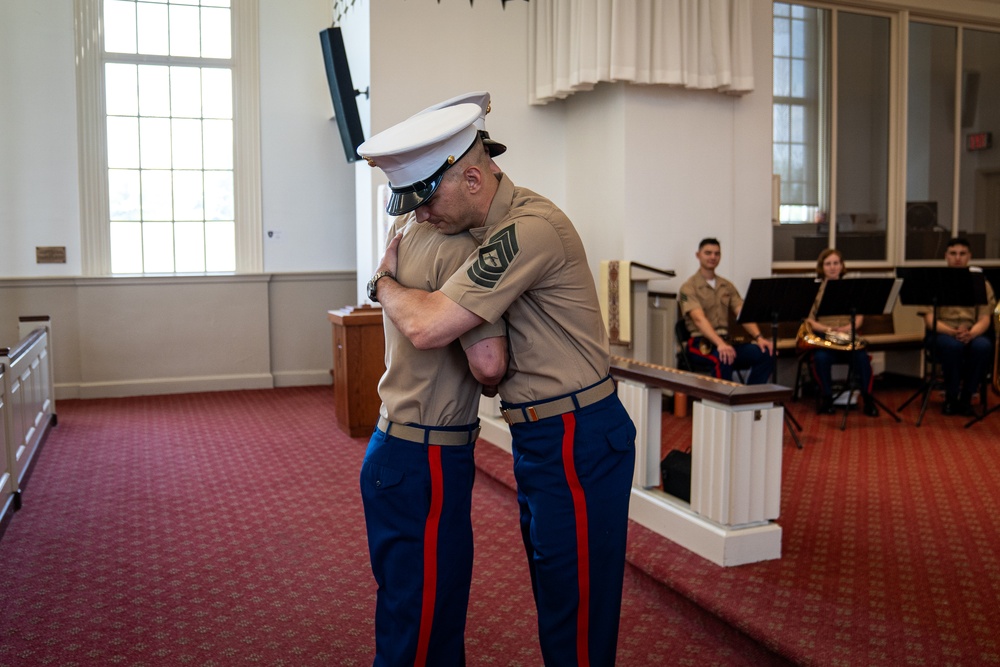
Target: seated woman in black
x: 830, y: 266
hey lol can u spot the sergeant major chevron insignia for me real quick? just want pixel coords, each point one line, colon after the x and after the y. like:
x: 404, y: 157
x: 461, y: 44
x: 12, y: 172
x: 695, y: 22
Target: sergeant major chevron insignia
x: 494, y: 257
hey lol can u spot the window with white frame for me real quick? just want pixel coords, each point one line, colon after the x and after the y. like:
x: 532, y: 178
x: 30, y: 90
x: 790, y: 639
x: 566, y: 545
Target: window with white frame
x: 164, y: 83
x: 882, y: 132
x: 798, y: 146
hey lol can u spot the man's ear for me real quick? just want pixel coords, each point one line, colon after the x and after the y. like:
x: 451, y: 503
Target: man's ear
x: 473, y: 177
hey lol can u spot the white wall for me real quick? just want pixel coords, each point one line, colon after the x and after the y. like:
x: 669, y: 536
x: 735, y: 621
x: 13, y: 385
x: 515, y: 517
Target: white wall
x: 115, y: 336
x: 129, y: 336
x: 643, y: 171
x: 684, y: 185
x: 307, y: 183
x: 596, y: 171
x: 699, y: 165
x: 422, y: 52
x: 749, y: 255
x: 39, y: 191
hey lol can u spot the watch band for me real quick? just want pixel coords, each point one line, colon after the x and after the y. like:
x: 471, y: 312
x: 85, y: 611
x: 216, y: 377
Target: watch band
x: 373, y: 284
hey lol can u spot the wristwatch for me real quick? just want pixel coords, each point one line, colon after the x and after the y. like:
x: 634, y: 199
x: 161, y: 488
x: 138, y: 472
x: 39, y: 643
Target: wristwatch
x: 373, y: 284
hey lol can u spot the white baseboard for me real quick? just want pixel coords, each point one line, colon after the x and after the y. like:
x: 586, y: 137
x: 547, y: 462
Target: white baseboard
x: 673, y: 518
x: 155, y: 386
x: 187, y: 385
x: 302, y: 378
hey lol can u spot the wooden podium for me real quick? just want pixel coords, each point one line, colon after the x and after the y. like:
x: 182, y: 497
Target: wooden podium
x: 358, y: 364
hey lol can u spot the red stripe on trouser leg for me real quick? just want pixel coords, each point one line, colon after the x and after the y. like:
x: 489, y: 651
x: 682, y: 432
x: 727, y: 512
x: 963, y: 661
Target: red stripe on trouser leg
x: 430, y: 554
x: 715, y: 361
x: 582, y: 546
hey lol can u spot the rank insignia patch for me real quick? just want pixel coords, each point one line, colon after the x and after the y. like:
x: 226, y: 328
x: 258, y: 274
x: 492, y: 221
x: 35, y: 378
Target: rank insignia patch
x: 494, y: 257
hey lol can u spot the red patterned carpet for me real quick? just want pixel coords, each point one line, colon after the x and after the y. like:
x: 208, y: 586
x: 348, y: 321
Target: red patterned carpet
x: 226, y: 529
x: 889, y: 548
x: 890, y: 545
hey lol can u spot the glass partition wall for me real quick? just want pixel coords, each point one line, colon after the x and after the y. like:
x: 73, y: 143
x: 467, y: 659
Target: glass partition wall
x: 952, y: 168
x: 831, y: 132
x: 855, y: 92
x: 930, y: 140
x: 861, y: 76
x: 979, y: 159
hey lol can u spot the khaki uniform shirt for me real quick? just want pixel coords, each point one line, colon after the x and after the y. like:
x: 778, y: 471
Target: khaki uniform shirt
x: 717, y: 302
x: 829, y: 320
x: 532, y: 265
x: 430, y: 387
x: 958, y: 316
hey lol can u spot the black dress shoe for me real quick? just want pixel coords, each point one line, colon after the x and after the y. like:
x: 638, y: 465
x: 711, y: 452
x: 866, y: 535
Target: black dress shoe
x: 825, y: 406
x: 870, y: 409
x: 950, y: 408
x: 964, y: 408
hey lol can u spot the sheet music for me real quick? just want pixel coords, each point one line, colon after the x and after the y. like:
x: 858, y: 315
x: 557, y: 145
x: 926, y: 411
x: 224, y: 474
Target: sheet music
x: 893, y: 295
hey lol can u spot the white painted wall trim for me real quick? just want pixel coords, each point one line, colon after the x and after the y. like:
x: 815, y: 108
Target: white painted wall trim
x: 156, y: 386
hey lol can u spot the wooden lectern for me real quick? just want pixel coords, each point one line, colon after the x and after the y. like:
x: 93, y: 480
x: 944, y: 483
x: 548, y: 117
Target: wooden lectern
x: 358, y: 364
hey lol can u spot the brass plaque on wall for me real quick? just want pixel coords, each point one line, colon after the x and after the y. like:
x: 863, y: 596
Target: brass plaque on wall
x: 50, y: 254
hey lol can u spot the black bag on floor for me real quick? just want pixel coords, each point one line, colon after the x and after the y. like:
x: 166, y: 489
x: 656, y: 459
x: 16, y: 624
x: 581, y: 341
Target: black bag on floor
x: 675, y: 468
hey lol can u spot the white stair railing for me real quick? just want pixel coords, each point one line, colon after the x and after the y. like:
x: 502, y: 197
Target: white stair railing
x: 27, y: 407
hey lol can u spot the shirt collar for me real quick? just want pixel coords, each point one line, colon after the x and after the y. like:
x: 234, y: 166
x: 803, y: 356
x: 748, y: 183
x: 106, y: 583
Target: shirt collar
x: 502, y: 201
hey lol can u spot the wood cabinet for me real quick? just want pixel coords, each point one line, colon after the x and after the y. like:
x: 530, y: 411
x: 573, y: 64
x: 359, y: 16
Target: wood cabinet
x: 358, y: 364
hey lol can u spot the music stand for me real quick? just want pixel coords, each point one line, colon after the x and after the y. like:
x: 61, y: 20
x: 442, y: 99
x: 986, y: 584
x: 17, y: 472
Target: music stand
x: 938, y: 286
x: 777, y: 300
x: 859, y: 296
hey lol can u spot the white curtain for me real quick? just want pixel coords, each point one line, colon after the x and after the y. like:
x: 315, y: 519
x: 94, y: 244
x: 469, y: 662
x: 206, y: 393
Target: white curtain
x: 702, y: 44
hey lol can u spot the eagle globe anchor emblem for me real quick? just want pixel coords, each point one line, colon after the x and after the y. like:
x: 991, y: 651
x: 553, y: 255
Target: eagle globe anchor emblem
x: 494, y: 258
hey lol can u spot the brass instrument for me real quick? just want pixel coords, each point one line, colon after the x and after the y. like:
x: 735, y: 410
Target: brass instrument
x: 828, y: 340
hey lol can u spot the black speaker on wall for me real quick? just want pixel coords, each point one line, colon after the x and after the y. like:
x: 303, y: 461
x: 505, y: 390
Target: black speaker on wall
x: 345, y: 103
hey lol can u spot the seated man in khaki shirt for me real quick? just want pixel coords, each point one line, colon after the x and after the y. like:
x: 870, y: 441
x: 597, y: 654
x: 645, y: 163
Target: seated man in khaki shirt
x: 962, y: 345
x: 706, y: 301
